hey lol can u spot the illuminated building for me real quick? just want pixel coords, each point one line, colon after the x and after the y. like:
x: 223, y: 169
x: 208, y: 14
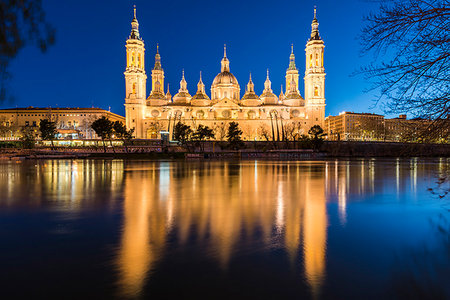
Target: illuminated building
x: 256, y: 114
x: 70, y: 122
x: 350, y: 126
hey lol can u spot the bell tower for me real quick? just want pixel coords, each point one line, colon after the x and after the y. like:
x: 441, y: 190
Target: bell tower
x: 315, y: 76
x: 135, y: 80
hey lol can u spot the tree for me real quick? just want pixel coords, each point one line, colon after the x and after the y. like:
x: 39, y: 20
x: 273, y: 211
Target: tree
x: 234, y: 136
x: 221, y: 130
x: 121, y: 132
x: 317, y: 133
x: 103, y: 127
x: 27, y: 138
x: 48, y: 130
x: 21, y: 22
x: 410, y: 40
x: 202, y: 133
x: 263, y: 131
x: 182, y: 133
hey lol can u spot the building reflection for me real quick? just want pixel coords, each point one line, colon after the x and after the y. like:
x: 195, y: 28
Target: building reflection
x: 224, y: 208
x: 65, y: 185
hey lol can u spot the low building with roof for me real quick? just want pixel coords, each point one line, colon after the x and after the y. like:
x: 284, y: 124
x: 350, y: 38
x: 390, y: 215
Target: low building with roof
x: 71, y: 122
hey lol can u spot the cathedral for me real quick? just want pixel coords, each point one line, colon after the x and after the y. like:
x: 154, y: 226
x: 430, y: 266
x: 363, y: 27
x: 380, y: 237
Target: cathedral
x: 259, y: 116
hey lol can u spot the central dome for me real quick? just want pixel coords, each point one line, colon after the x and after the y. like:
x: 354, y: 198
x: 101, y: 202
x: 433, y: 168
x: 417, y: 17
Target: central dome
x: 225, y: 85
x: 225, y: 77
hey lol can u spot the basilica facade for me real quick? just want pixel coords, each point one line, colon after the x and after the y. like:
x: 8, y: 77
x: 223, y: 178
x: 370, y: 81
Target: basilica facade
x: 259, y: 116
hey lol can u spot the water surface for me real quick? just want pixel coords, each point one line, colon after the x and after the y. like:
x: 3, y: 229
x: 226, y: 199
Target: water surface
x: 344, y: 229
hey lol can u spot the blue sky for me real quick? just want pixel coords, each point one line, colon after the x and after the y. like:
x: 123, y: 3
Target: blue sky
x: 85, y: 66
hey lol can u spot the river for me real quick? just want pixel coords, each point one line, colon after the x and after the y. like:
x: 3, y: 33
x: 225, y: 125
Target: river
x: 336, y: 229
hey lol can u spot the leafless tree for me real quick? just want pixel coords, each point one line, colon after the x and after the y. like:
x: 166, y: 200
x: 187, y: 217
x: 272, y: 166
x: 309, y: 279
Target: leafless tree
x: 221, y: 129
x: 264, y: 132
x: 292, y: 131
x: 411, y: 68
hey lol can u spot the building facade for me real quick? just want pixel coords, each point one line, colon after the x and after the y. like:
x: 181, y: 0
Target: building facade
x: 257, y: 115
x: 71, y: 123
x: 350, y: 126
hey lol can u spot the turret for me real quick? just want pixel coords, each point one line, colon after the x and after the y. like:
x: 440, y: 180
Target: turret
x: 183, y: 96
x: 268, y: 97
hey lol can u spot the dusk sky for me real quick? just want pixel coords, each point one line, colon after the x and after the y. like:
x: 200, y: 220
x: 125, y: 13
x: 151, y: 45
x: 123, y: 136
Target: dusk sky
x: 85, y: 66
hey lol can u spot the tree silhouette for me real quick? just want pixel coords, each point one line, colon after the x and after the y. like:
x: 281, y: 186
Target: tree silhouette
x: 202, y: 133
x: 410, y: 40
x: 103, y: 127
x: 22, y: 22
x: 182, y: 133
x: 234, y: 136
x: 48, y: 130
x: 121, y: 132
x: 317, y: 133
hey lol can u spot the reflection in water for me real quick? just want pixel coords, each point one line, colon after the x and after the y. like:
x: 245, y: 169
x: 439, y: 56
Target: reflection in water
x: 223, y: 208
x: 144, y: 232
x: 221, y: 211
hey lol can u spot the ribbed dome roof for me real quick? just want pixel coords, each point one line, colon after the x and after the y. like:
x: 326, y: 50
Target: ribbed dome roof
x: 225, y: 77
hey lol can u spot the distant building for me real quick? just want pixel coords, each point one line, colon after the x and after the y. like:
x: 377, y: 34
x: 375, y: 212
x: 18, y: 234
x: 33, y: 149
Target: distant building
x: 150, y: 113
x: 350, y: 126
x: 71, y: 123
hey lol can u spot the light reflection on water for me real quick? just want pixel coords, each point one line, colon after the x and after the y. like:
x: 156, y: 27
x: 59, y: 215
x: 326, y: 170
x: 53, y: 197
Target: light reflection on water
x: 219, y: 210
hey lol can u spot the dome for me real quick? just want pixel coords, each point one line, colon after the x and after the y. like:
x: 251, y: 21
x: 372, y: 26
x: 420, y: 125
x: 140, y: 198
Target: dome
x: 225, y: 77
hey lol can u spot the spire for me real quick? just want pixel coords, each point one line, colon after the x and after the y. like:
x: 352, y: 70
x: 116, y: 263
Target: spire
x: 281, y: 97
x: 135, y: 26
x: 157, y: 59
x: 168, y: 95
x: 183, y: 83
x: 315, y: 28
x: 225, y: 62
x: 250, y: 85
x: 200, y: 85
x: 292, y: 59
x: 267, y: 84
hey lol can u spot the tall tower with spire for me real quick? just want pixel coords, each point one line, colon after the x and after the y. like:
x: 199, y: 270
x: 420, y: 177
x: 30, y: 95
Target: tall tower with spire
x: 135, y: 79
x: 157, y: 96
x: 291, y: 72
x: 315, y: 75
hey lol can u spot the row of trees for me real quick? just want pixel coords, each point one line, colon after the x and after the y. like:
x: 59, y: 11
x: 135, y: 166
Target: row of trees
x: 103, y: 127
x: 190, y: 138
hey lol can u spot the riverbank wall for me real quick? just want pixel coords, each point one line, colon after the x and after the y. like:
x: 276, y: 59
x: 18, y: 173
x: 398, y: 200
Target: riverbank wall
x: 252, y: 150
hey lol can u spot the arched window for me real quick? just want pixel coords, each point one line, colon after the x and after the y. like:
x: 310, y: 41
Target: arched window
x: 132, y: 59
x: 225, y: 94
x: 317, y: 59
x: 134, y: 88
x: 139, y: 60
x: 310, y: 60
x: 316, y: 91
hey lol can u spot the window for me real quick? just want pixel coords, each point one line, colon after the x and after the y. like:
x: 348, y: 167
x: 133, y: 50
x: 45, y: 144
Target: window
x: 317, y: 59
x: 27, y: 123
x: 316, y: 91
x: 310, y: 60
x: 34, y: 123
